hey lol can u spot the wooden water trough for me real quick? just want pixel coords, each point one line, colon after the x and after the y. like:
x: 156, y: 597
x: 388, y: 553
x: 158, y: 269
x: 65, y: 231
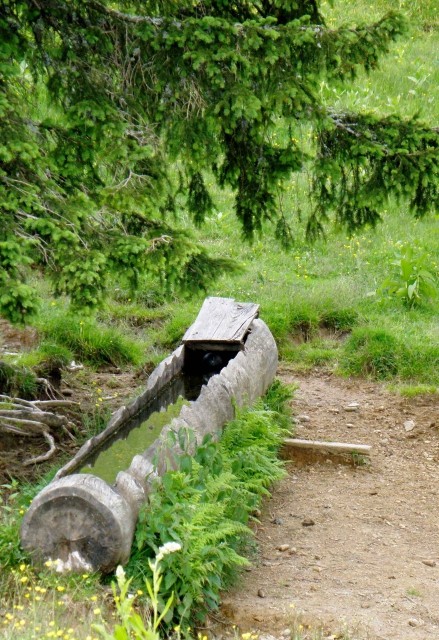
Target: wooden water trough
x: 83, y: 523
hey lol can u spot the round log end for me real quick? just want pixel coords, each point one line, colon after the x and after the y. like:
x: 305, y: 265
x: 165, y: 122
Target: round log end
x: 80, y: 523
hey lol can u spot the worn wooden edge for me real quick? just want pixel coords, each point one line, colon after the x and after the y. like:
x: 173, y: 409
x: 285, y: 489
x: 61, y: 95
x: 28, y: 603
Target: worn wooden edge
x: 222, y: 320
x: 326, y: 447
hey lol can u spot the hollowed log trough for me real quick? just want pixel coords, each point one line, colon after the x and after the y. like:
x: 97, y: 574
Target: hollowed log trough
x: 82, y: 523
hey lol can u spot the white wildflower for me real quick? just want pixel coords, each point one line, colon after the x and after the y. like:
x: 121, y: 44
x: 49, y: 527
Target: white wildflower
x: 120, y: 573
x: 168, y: 547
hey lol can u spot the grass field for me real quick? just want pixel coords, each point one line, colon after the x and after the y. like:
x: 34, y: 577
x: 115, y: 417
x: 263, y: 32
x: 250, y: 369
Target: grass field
x: 323, y: 300
x: 329, y: 304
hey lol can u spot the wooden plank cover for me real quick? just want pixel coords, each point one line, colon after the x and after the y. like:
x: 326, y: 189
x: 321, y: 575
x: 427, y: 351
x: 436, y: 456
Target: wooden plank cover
x: 221, y: 320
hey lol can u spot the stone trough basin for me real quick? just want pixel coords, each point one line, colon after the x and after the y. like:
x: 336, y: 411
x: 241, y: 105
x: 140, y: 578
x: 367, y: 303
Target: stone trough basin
x: 85, y: 522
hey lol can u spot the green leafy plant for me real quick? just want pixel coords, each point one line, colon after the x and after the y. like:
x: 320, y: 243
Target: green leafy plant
x: 205, y: 506
x: 414, y: 281
x: 132, y: 626
x: 11, y: 512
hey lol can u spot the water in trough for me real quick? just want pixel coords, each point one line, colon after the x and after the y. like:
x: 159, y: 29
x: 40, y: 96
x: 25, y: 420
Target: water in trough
x: 143, y: 429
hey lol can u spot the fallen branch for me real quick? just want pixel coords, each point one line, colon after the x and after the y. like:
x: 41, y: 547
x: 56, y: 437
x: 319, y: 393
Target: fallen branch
x: 334, y: 447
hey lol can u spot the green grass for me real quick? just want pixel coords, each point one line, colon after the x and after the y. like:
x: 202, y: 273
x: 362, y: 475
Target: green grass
x: 330, y: 287
x: 90, y: 341
x: 17, y: 381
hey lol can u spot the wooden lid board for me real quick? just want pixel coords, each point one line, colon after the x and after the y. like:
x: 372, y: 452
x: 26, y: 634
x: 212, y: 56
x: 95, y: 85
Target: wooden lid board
x: 221, y: 323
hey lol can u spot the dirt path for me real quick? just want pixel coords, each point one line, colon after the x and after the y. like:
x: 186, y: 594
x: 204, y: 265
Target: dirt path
x: 370, y: 561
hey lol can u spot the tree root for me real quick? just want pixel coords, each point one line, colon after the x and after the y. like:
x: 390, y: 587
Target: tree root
x: 33, y: 418
x: 49, y: 389
x: 44, y: 456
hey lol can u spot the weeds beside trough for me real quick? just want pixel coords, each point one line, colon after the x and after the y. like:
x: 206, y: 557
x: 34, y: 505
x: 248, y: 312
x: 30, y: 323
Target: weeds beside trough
x: 86, y: 524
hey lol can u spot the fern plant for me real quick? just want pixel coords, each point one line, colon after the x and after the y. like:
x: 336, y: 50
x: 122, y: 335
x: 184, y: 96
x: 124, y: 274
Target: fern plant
x: 205, y: 507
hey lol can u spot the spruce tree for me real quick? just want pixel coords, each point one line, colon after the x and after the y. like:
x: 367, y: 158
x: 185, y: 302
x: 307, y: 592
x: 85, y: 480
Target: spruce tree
x: 103, y: 103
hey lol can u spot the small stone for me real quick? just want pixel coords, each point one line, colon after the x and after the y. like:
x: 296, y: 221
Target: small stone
x: 409, y: 425
x: 308, y: 522
x: 277, y: 521
x: 292, y: 551
x: 350, y: 425
x: 283, y: 547
x: 261, y: 594
x: 304, y: 418
x: 67, y: 392
x: 429, y: 563
x: 285, y: 633
x: 413, y: 622
x: 352, y: 406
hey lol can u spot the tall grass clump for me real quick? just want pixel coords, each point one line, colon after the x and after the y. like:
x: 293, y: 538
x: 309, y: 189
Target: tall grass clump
x: 383, y: 355
x: 17, y: 380
x: 205, y: 506
x: 92, y: 342
x: 372, y: 353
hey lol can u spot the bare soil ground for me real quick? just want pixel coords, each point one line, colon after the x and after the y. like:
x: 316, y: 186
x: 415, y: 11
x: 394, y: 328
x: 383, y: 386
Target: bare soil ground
x: 369, y: 565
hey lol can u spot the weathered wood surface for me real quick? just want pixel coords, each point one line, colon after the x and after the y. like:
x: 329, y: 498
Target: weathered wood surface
x: 221, y: 320
x: 81, y: 523
x: 85, y: 524
x: 334, y: 447
x: 158, y: 379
